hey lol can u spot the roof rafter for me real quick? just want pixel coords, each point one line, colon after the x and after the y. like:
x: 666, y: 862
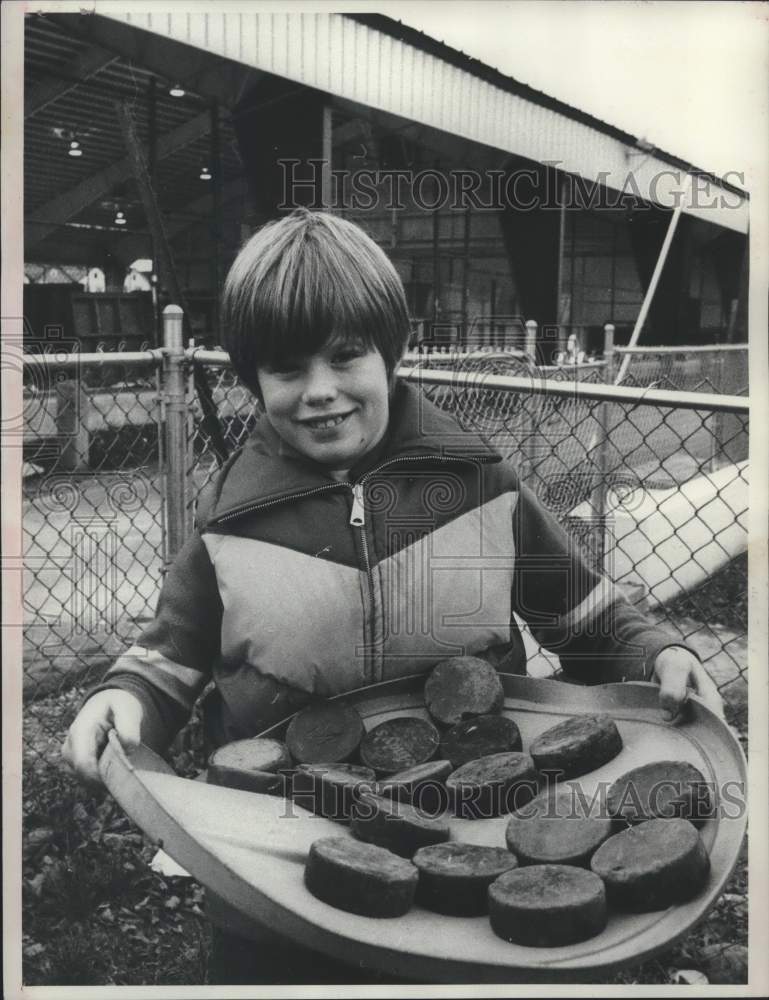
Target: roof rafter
x: 44, y: 220
x: 86, y: 65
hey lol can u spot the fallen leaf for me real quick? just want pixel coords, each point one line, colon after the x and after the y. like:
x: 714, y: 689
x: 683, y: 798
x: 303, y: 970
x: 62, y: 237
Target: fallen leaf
x: 172, y: 903
x: 689, y: 977
x: 36, y: 883
x: 34, y: 949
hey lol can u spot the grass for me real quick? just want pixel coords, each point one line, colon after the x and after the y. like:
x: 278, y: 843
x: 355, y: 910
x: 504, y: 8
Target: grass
x: 94, y: 913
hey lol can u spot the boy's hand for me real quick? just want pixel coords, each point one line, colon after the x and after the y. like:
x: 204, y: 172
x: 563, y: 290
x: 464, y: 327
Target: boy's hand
x: 87, y: 736
x: 676, y: 670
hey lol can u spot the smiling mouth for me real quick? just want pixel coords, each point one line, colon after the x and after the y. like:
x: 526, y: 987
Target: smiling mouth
x: 324, y: 423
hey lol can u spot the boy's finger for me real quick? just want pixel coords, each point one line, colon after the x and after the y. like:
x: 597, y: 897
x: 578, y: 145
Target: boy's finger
x: 82, y: 749
x: 673, y: 691
x: 127, y: 722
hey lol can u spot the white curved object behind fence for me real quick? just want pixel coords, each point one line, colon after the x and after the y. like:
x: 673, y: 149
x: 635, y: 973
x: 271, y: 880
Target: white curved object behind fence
x: 672, y: 540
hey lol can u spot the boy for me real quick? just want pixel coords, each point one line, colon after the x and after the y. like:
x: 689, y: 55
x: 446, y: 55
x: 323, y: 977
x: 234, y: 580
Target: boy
x: 359, y: 536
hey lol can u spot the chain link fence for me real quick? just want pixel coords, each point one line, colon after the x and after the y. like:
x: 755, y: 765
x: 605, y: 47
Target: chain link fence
x: 651, y: 482
x: 93, y: 521
x: 722, y: 368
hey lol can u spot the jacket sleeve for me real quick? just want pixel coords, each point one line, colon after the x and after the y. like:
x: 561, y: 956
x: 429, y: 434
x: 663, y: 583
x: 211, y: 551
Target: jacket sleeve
x: 573, y: 610
x: 172, y: 659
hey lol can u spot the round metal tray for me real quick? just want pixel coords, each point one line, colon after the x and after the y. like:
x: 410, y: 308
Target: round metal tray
x: 250, y: 849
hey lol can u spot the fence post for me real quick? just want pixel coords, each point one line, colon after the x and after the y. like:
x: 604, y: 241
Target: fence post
x: 175, y: 424
x: 529, y: 436
x: 716, y: 422
x: 602, y: 488
x: 72, y: 404
x: 531, y: 339
x: 608, y: 352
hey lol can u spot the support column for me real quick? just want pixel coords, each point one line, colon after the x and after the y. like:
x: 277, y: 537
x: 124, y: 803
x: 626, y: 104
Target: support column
x: 327, y: 155
x: 175, y: 424
x: 466, y: 279
x: 563, y: 302
x: 600, y: 493
x: 216, y: 228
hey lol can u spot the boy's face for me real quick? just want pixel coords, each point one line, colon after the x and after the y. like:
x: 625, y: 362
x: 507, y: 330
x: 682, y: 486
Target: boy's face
x: 332, y: 406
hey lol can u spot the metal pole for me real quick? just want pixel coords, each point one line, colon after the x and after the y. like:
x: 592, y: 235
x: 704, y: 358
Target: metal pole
x: 436, y: 268
x: 716, y: 422
x: 152, y: 133
x: 152, y: 156
x: 600, y: 493
x: 531, y: 339
x: 216, y: 206
x: 529, y: 434
x: 608, y: 351
x: 175, y: 422
x: 72, y: 424
x: 562, y: 316
x: 649, y: 293
x: 465, y: 277
x: 646, y: 304
x: 327, y: 126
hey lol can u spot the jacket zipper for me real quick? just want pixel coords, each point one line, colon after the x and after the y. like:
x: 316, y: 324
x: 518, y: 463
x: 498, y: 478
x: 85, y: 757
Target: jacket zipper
x: 358, y: 520
x: 357, y: 517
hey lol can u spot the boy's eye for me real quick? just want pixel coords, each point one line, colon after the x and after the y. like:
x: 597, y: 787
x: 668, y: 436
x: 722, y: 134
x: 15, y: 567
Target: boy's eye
x: 286, y: 367
x: 347, y: 354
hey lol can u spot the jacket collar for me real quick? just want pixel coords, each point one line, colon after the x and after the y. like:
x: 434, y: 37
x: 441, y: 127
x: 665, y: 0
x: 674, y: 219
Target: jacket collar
x: 267, y: 470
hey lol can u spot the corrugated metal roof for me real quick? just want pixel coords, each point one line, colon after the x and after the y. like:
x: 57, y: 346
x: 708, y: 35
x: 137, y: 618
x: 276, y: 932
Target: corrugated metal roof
x: 476, y: 67
x: 381, y: 63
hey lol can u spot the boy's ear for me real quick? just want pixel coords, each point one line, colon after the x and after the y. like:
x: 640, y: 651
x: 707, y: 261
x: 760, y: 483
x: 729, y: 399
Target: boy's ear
x: 394, y: 376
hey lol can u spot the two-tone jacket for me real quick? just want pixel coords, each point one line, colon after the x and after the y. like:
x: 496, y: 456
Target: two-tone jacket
x: 295, y: 585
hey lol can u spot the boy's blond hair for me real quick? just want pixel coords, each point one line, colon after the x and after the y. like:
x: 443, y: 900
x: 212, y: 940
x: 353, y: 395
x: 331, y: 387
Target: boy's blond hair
x: 306, y: 279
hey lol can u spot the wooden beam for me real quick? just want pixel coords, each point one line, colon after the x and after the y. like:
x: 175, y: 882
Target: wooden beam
x: 85, y: 66
x: 49, y: 217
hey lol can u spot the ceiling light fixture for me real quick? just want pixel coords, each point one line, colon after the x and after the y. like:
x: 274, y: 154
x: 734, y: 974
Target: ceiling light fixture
x: 74, y: 148
x: 120, y: 219
x: 205, y: 174
x: 177, y: 90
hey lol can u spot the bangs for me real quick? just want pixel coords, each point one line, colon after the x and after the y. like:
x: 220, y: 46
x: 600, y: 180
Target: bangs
x: 306, y: 280
x: 313, y: 298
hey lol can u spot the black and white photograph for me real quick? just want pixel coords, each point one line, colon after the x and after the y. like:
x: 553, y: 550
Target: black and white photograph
x: 384, y: 541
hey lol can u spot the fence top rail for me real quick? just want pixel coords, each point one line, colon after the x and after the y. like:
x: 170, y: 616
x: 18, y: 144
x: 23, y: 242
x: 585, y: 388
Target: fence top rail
x: 63, y: 359
x: 206, y: 357
x: 692, y: 349
x: 599, y: 392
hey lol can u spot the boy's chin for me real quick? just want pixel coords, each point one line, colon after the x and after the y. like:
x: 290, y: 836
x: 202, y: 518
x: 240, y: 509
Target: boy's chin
x: 332, y: 458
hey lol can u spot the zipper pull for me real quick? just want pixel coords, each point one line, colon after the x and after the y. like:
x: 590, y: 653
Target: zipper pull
x: 357, y: 515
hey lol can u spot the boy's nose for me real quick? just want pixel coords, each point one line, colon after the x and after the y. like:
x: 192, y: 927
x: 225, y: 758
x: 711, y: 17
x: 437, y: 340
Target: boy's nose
x: 320, y: 386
